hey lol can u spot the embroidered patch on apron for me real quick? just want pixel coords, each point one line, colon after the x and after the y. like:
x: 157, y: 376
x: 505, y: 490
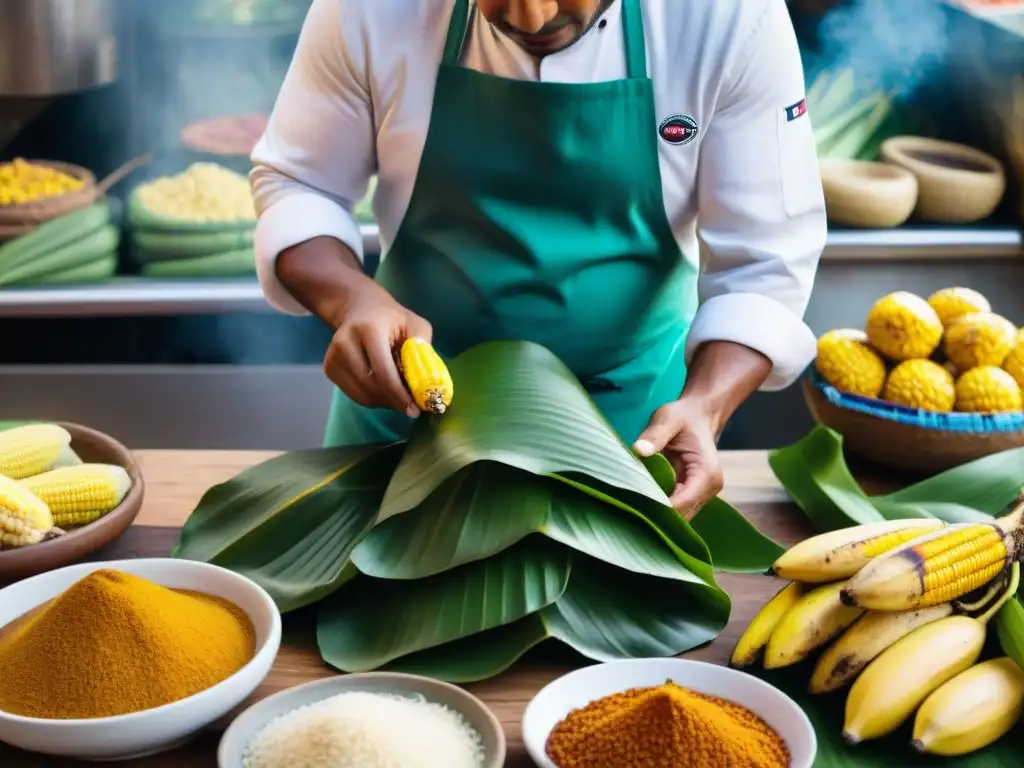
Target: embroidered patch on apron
x: 678, y: 129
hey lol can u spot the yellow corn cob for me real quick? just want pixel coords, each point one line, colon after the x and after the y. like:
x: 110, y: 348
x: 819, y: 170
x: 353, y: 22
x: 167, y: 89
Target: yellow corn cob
x: 80, y: 494
x: 426, y: 376
x: 24, y: 517
x: 939, y: 566
x: 31, y: 449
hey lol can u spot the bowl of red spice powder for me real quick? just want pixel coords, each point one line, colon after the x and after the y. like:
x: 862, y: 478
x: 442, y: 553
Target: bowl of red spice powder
x: 675, y: 713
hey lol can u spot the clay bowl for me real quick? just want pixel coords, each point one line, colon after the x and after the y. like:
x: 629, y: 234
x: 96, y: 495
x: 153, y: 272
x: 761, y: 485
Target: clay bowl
x: 957, y: 184
x: 867, y: 194
x: 77, y: 544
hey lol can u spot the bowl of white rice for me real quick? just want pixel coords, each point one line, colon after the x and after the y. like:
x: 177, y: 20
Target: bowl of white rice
x: 371, y: 720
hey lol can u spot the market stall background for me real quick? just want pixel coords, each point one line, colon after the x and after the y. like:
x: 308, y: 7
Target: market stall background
x: 186, y: 363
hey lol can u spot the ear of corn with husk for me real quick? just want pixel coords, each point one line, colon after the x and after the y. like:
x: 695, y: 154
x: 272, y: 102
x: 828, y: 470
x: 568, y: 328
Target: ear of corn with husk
x: 426, y: 375
x: 81, y: 494
x: 940, y: 566
x: 24, y: 517
x: 31, y: 449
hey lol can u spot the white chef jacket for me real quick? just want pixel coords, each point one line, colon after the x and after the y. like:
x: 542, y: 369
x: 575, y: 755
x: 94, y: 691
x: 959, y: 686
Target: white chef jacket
x: 357, y: 100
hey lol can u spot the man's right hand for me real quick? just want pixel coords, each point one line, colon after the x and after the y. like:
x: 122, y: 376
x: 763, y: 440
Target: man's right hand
x: 360, y: 359
x: 369, y: 325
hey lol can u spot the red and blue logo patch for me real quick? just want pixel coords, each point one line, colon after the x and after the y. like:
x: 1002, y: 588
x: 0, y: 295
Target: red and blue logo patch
x: 678, y: 129
x: 796, y: 110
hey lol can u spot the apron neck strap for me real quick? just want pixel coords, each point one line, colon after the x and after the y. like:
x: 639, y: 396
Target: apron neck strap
x: 632, y: 32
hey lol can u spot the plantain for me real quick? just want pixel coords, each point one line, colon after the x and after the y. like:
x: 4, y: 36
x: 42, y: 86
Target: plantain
x: 840, y: 554
x: 971, y: 711
x: 939, y: 566
x: 907, y: 672
x: 816, y: 618
x: 864, y: 641
x: 755, y: 636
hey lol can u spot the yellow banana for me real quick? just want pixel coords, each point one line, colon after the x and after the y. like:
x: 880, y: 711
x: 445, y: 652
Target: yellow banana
x: 902, y: 676
x: 815, y: 619
x: 864, y: 641
x: 971, y: 711
x: 756, y: 635
x: 940, y: 566
x: 840, y: 554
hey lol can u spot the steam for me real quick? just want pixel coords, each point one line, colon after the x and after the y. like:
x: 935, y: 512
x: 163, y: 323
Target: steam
x: 891, y: 45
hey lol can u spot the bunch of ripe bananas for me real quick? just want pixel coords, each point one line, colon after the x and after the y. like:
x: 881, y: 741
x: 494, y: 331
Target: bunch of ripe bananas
x: 907, y: 604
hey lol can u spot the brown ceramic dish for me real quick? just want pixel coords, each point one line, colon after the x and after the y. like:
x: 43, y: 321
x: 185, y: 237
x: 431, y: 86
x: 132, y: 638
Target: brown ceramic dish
x: 957, y: 184
x: 76, y: 545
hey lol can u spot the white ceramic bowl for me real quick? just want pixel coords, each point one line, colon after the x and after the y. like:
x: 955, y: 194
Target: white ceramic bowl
x: 152, y: 730
x: 579, y: 688
x: 237, y: 737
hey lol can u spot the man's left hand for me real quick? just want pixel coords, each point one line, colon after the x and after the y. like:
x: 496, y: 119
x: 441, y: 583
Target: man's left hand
x: 685, y: 433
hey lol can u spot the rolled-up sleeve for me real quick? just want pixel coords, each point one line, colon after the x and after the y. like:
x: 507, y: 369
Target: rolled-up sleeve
x: 761, y: 207
x: 314, y: 163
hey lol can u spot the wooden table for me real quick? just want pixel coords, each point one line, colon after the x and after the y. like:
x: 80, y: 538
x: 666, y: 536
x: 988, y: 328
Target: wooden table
x: 175, y: 480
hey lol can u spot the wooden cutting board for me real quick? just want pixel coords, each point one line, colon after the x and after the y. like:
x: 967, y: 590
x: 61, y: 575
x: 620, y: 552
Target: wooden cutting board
x: 175, y: 480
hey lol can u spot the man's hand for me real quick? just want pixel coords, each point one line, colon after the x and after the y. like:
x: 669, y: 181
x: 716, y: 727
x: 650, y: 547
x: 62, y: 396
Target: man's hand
x: 368, y: 324
x: 722, y: 375
x: 360, y: 359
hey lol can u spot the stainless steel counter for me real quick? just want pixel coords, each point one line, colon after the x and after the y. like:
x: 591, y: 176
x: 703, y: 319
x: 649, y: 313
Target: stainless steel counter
x: 141, y: 296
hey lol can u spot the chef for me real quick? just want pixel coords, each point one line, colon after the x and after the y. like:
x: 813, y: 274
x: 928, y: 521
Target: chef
x: 630, y: 183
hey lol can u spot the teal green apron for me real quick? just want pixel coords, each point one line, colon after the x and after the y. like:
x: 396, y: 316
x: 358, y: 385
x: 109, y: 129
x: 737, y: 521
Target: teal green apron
x: 537, y: 214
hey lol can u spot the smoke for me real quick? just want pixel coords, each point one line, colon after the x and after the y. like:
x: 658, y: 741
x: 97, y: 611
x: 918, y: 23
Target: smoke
x: 891, y: 45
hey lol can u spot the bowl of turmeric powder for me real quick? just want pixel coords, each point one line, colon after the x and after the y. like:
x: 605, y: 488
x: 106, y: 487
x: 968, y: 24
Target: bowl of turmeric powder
x: 122, y: 659
x: 666, y: 712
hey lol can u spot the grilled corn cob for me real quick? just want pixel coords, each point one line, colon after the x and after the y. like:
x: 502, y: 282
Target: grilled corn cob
x: 840, y: 554
x: 81, y: 494
x: 24, y: 517
x: 816, y: 618
x: 760, y: 630
x: 971, y: 711
x: 939, y: 566
x: 426, y: 375
x: 905, y: 674
x: 31, y: 449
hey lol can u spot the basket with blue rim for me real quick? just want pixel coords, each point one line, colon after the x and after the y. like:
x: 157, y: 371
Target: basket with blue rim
x: 910, y: 439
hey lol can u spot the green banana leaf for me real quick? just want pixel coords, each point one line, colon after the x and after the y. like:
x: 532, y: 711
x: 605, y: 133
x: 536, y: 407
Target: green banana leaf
x: 1010, y: 630
x: 737, y: 546
x: 518, y: 516
x: 290, y: 523
x: 814, y: 473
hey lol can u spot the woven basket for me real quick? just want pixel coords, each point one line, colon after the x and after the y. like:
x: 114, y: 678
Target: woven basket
x: 18, y: 220
x: 909, y: 439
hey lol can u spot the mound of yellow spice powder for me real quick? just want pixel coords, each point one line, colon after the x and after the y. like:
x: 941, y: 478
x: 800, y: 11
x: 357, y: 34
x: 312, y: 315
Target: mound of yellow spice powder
x: 114, y: 643
x: 665, y: 727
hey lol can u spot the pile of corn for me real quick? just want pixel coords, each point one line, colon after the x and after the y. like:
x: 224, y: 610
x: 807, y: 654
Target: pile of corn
x: 199, y: 223
x: 24, y: 182
x: 45, y: 488
x: 204, y: 192
x: 950, y: 352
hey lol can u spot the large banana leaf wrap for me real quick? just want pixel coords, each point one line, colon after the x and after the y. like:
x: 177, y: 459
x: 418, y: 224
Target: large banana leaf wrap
x: 516, y: 517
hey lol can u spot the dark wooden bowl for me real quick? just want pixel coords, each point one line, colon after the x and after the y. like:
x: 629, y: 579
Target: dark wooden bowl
x: 76, y: 545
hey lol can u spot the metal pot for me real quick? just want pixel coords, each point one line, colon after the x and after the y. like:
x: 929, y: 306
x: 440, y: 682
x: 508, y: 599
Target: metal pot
x: 54, y: 47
